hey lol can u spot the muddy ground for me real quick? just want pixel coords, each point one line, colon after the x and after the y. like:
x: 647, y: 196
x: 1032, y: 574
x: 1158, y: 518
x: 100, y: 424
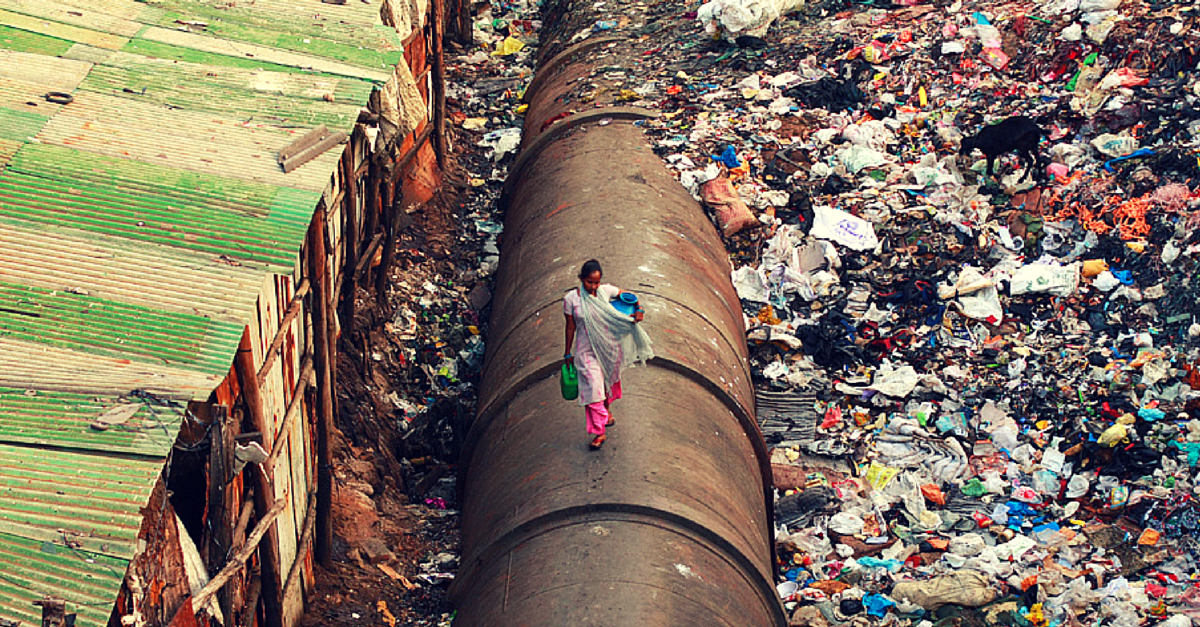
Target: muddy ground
x: 395, y: 526
x: 406, y: 382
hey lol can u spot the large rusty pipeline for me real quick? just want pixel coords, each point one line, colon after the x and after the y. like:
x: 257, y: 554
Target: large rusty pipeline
x: 670, y: 523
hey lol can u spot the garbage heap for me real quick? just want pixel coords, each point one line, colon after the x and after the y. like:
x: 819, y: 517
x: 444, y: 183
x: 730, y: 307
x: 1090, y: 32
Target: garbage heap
x: 982, y: 389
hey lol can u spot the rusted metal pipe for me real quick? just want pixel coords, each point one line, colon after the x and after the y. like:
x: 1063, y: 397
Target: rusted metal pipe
x: 669, y: 523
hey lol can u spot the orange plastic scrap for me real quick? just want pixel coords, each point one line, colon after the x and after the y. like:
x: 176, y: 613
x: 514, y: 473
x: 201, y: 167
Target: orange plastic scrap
x: 766, y: 315
x: 1130, y: 218
x: 1069, y: 210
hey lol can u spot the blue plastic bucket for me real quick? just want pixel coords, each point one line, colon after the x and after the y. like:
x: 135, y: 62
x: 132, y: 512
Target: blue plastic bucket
x: 626, y: 303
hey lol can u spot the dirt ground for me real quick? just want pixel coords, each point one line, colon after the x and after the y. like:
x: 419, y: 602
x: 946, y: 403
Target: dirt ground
x: 395, y: 526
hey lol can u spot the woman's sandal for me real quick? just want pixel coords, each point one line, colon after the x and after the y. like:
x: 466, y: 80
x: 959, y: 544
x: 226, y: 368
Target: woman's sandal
x: 597, y: 443
x: 611, y: 421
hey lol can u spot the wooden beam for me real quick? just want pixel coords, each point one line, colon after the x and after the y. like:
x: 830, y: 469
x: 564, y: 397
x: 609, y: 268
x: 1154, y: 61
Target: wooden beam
x: 306, y: 539
x: 322, y: 356
x: 292, y: 311
x: 370, y: 209
x: 251, y: 607
x: 313, y: 152
x: 239, y: 558
x: 439, y: 83
x: 367, y: 256
x: 293, y: 408
x: 239, y: 531
x: 263, y: 490
x: 350, y: 239
x: 217, y: 529
x: 408, y: 155
x: 309, y: 140
x: 389, y: 245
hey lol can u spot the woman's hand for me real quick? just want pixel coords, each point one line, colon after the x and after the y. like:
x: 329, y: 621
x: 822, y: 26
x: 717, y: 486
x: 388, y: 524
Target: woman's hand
x: 568, y: 359
x: 638, y: 316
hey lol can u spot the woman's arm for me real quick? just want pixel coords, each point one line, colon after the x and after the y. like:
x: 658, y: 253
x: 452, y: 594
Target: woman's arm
x: 570, y: 337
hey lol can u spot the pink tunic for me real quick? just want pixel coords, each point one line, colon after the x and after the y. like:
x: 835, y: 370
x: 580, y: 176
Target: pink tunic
x: 591, y: 376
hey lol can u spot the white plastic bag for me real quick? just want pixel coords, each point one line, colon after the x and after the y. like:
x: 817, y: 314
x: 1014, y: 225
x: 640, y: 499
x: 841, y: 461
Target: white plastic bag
x: 843, y: 228
x: 743, y: 16
x: 1045, y: 279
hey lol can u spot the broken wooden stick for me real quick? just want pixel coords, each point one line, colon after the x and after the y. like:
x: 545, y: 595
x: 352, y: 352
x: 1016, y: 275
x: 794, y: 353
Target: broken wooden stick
x: 239, y: 558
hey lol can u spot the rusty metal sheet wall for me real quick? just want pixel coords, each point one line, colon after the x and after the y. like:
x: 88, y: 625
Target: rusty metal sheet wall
x: 669, y: 523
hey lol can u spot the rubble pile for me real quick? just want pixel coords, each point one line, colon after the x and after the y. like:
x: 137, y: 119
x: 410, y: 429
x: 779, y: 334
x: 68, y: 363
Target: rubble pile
x: 981, y: 382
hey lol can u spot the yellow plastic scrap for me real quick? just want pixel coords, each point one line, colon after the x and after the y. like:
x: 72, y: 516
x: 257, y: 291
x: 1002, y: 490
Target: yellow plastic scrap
x: 879, y: 475
x: 1117, y: 433
x: 627, y: 95
x: 1036, y: 616
x: 510, y: 45
x: 766, y: 315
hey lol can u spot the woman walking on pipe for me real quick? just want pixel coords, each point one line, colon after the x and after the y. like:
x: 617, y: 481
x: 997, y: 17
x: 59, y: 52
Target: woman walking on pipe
x: 600, y: 342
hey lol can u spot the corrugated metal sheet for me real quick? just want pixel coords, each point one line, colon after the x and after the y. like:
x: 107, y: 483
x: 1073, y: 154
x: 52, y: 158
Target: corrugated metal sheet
x: 62, y: 419
x: 83, y: 499
x: 32, y: 569
x: 139, y: 224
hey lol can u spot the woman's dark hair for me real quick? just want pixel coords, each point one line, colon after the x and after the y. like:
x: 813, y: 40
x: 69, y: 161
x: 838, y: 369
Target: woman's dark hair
x: 589, y: 266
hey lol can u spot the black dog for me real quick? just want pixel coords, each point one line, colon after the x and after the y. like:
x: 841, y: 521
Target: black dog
x: 1018, y: 133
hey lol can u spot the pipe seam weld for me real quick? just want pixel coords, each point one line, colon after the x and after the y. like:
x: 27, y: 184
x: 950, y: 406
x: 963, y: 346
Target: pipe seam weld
x: 556, y: 130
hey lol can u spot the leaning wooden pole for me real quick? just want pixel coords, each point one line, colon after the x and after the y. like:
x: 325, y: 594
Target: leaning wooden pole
x: 350, y: 237
x: 264, y: 492
x: 382, y: 274
x: 321, y: 360
x: 439, y: 83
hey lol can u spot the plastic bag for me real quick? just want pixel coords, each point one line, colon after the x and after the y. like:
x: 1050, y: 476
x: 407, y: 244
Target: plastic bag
x: 733, y: 215
x: 846, y: 524
x: 857, y: 158
x: 1045, y: 279
x: 510, y: 45
x: 967, y: 544
x: 967, y: 588
x: 846, y: 229
x: 750, y: 284
x: 748, y: 16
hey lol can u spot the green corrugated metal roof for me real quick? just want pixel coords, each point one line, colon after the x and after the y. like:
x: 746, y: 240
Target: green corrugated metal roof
x: 32, y: 569
x: 136, y: 226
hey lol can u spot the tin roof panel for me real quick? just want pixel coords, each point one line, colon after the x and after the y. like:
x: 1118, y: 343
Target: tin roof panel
x: 65, y: 420
x: 138, y: 224
x: 78, y: 498
x: 87, y: 580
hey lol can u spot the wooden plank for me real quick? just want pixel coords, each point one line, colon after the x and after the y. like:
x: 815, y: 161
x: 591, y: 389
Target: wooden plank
x: 306, y: 539
x: 293, y: 409
x: 239, y: 558
x: 264, y: 491
x: 304, y: 143
x: 322, y: 356
x: 313, y: 152
x: 367, y: 256
x: 284, y: 326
